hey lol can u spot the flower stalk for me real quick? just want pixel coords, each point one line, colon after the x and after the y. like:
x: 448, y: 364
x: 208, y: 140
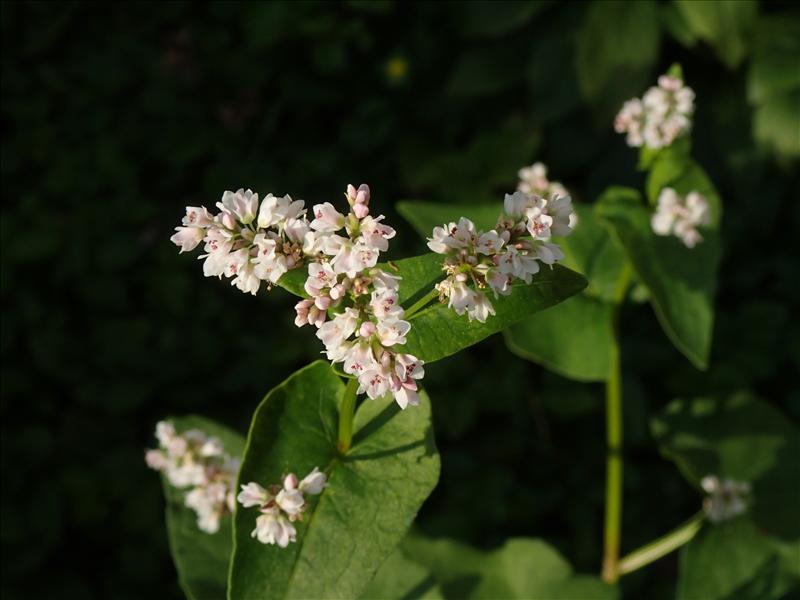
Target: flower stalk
x: 613, y: 508
x: 662, y: 546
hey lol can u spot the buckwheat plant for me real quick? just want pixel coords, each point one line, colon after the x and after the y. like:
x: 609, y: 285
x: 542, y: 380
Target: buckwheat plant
x: 198, y: 463
x: 662, y: 115
x: 533, y: 181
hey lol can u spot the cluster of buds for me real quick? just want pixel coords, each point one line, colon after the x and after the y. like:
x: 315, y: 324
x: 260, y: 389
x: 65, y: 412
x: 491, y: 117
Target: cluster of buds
x: 476, y: 260
x: 281, y: 506
x: 248, y: 241
x: 726, y: 498
x: 533, y: 181
x: 198, y: 463
x: 355, y: 305
x: 659, y: 117
x: 679, y: 216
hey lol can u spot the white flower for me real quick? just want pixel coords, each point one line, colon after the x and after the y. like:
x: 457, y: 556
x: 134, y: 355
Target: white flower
x: 533, y: 181
x: 359, y: 358
x: 241, y: 204
x: 253, y: 494
x: 314, y: 482
x: 405, y: 396
x: 275, y: 210
x: 561, y: 211
x: 489, y: 243
x: 385, y: 304
x: 327, y: 218
x: 376, y: 235
x: 393, y: 331
x: 187, y: 238
x: 197, y: 216
x: 273, y: 528
x: 481, y: 308
x: 375, y: 382
x: 408, y: 366
x: 336, y: 331
x: 291, y: 502
x: 726, y: 498
x: 517, y: 264
x: 156, y: 459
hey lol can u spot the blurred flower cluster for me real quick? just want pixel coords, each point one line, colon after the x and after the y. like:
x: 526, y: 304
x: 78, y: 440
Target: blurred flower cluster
x: 476, y: 260
x: 199, y: 463
x: 679, y: 216
x: 533, y: 181
x: 281, y: 506
x: 662, y: 115
x: 726, y: 498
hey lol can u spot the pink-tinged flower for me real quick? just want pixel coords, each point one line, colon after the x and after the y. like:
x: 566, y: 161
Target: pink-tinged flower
x: 515, y: 204
x: 336, y: 331
x: 314, y: 482
x: 197, y: 216
x: 393, y: 331
x: 560, y: 210
x: 320, y: 276
x: 376, y: 235
x: 375, y: 382
x: 327, y: 218
x: 489, y: 243
x: 273, y: 528
x: 359, y: 358
x: 481, y: 308
x: 187, y: 238
x: 242, y: 204
x: 274, y: 210
x: 385, y: 304
x: 156, y: 459
x: 546, y: 252
x: 408, y: 366
x: 253, y: 494
x: 405, y: 396
x: 291, y: 502
x: 517, y: 264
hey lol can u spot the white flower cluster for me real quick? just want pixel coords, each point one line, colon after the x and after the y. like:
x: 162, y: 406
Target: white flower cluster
x: 533, y: 181
x: 246, y: 241
x: 280, y: 506
x: 658, y: 118
x: 680, y: 216
x: 366, y: 320
x: 476, y: 260
x: 726, y: 498
x: 194, y: 460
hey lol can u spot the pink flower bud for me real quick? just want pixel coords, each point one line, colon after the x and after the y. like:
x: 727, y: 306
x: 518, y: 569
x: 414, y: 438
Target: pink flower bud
x: 362, y: 196
x: 351, y: 192
x: 337, y: 291
x: 228, y: 220
x: 462, y: 277
x: 290, y: 481
x: 322, y: 302
x: 360, y: 210
x: 367, y: 329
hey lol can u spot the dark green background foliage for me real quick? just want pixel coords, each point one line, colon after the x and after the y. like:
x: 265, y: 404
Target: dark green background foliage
x: 114, y: 117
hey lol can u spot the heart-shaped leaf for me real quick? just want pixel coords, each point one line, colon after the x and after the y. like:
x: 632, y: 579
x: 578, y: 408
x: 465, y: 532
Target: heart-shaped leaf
x: 681, y: 281
x: 201, y: 559
x: 374, y: 490
x: 402, y: 579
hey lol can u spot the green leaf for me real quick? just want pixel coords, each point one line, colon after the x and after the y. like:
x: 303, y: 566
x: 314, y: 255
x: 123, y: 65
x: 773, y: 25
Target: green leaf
x: 617, y: 49
x: 773, y: 70
x: 424, y: 216
x: 374, y: 491
x: 681, y: 281
x: 201, y: 559
x: 773, y: 84
x: 437, y: 332
x: 744, y: 439
x: 402, y: 579
x: 572, y: 338
x: 726, y: 25
x: 731, y: 560
x: 521, y: 569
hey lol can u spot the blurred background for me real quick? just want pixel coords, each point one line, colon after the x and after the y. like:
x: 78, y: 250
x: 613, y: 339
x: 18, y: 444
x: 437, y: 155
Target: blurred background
x: 116, y: 116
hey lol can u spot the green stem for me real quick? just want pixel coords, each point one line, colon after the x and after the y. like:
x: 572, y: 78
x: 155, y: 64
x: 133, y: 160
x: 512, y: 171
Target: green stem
x: 662, y: 546
x: 613, y: 516
x: 346, y: 415
x: 421, y: 303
